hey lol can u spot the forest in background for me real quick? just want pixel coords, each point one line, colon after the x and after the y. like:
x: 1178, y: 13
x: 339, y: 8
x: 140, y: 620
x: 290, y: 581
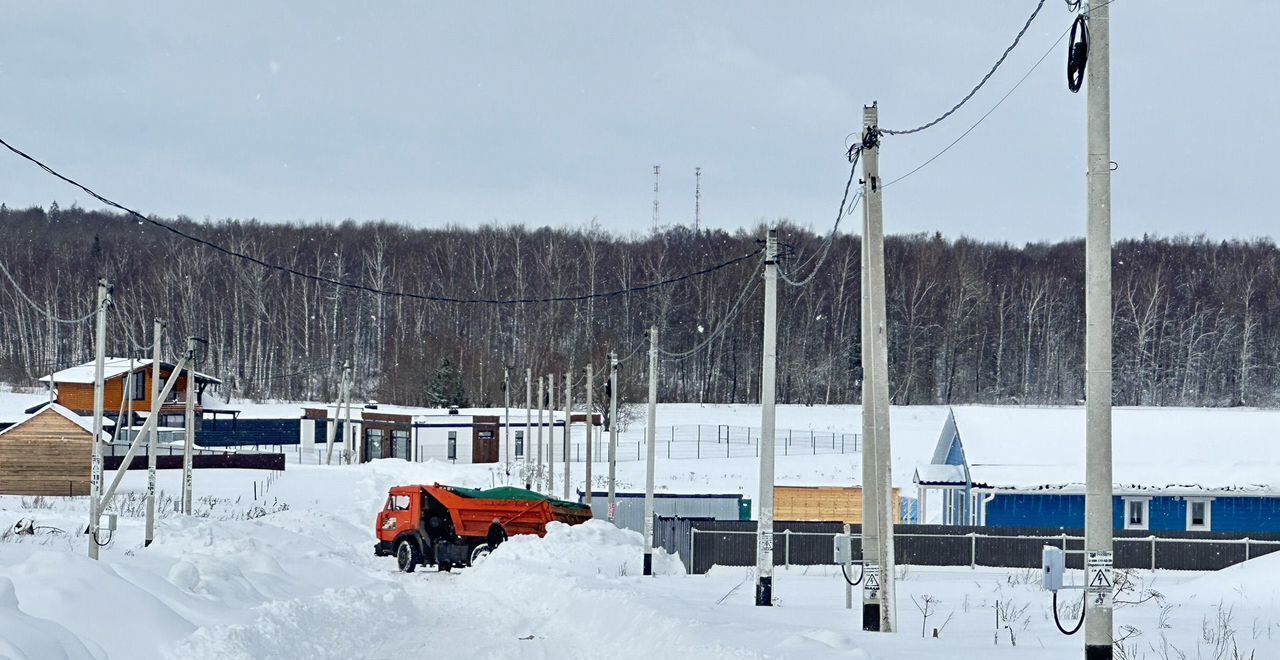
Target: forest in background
x: 1197, y: 322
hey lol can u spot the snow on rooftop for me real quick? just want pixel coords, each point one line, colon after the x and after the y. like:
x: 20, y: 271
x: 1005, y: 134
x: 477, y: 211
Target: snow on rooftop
x: 82, y: 422
x: 112, y: 368
x: 1168, y: 448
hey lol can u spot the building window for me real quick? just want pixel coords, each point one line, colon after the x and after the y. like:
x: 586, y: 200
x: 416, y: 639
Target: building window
x: 139, y: 381
x: 373, y: 448
x: 519, y: 444
x: 1136, y: 513
x: 453, y: 445
x: 400, y: 444
x: 1199, y: 514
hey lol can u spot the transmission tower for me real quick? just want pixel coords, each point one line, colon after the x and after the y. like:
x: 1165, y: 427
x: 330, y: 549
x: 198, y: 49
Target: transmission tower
x: 697, y: 198
x: 657, y: 169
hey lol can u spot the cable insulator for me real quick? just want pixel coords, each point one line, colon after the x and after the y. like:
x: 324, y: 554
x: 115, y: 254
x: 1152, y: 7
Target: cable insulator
x: 1077, y: 53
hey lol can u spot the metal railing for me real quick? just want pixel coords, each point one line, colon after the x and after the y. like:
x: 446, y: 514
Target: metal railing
x: 699, y: 441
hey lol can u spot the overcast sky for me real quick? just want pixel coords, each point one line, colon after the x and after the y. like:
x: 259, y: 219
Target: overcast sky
x: 471, y: 112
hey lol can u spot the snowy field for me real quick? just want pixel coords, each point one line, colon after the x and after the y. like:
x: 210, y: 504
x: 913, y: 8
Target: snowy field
x: 292, y: 575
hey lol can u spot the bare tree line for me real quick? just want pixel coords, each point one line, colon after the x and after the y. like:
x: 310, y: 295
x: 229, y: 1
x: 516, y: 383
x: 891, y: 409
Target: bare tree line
x: 969, y: 321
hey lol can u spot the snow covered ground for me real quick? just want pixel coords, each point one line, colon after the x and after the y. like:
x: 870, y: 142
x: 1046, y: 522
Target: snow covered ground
x: 292, y: 575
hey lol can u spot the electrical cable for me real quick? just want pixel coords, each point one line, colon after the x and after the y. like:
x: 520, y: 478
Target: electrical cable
x: 1059, y: 623
x: 861, y: 573
x: 1077, y: 53
x: 998, y: 103
x: 43, y: 311
x: 362, y: 287
x: 855, y: 153
x: 985, y: 115
x: 725, y: 322
x: 128, y: 332
x: 994, y: 67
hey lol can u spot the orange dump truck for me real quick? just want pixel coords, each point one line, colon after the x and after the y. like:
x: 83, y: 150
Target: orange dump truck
x: 449, y: 526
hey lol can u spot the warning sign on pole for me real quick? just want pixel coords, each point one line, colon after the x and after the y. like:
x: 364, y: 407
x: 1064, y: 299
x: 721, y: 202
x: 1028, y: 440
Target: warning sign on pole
x: 870, y: 581
x: 1099, y: 579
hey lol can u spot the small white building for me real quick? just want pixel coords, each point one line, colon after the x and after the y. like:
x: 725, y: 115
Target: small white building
x: 467, y: 435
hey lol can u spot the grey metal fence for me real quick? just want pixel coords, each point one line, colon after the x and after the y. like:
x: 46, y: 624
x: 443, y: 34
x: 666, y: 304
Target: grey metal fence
x: 703, y: 544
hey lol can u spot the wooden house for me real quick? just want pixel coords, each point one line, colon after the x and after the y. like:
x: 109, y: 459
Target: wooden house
x: 47, y: 453
x: 823, y: 504
x: 74, y: 388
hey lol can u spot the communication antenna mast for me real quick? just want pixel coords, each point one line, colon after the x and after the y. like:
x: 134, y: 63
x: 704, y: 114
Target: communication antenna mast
x: 697, y: 198
x: 656, y: 170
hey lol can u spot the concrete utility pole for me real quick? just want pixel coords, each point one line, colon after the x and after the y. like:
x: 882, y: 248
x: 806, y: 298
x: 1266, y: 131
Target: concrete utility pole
x: 51, y: 350
x: 768, y: 378
x: 157, y: 330
x: 542, y: 402
x: 506, y: 420
x: 99, y: 366
x: 528, y: 424
x: 568, y: 435
x: 877, y: 494
x: 348, y: 433
x: 551, y: 434
x: 332, y: 430
x: 613, y: 433
x: 590, y: 418
x: 188, y: 448
x: 650, y: 441
x: 1097, y: 506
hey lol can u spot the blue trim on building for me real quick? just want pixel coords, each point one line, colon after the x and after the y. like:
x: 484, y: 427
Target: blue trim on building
x: 1165, y: 513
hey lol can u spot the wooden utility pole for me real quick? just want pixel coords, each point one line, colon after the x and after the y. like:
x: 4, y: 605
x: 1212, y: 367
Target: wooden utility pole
x: 613, y: 434
x: 650, y: 441
x: 1098, y: 530
x: 332, y: 430
x: 877, y: 500
x: 99, y: 366
x: 157, y: 329
x: 188, y: 449
x: 768, y: 381
x: 590, y: 415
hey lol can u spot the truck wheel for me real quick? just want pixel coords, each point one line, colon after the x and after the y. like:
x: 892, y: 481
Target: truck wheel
x: 480, y: 552
x: 408, y: 555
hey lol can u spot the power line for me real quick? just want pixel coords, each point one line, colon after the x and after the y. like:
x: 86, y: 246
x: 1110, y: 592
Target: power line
x: 364, y: 288
x: 752, y: 282
x: 44, y: 311
x: 988, y: 112
x: 994, y: 67
x: 855, y: 154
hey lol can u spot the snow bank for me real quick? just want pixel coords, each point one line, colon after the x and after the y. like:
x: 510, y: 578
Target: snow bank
x: 24, y: 637
x: 595, y: 548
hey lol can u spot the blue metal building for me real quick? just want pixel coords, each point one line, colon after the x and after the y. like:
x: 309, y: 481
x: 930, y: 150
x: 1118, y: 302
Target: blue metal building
x: 1023, y: 467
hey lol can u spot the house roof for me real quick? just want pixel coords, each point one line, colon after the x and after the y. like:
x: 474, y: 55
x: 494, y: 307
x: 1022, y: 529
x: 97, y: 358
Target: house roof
x: 939, y: 475
x: 79, y: 421
x: 113, y: 367
x: 1152, y: 448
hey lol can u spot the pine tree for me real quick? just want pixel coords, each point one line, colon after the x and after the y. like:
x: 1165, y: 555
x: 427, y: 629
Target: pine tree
x: 446, y: 389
